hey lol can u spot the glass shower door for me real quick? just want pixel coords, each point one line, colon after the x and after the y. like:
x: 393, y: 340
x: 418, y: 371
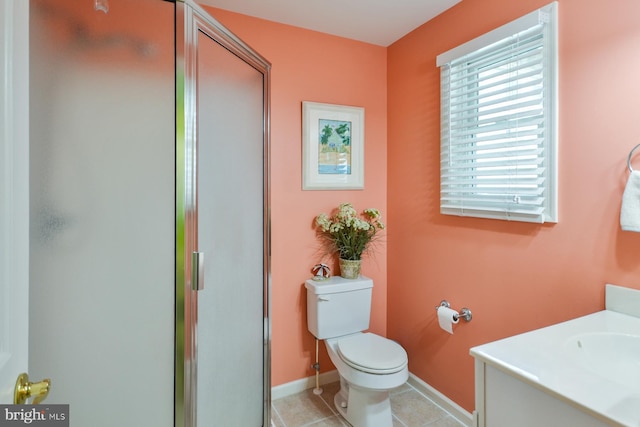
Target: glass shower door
x: 226, y: 226
x: 230, y: 234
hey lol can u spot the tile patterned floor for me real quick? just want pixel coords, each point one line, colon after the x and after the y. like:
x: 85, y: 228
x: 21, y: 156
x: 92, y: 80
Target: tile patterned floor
x: 410, y: 408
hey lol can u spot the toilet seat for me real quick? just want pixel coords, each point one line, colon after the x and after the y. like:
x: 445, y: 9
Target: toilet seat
x: 372, y: 353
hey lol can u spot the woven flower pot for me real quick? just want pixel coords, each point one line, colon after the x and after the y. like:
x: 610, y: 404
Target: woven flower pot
x: 350, y: 269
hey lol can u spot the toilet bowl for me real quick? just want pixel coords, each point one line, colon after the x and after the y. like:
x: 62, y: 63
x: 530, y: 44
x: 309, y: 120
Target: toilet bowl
x: 369, y: 367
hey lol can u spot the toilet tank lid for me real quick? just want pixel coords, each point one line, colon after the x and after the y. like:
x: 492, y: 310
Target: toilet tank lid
x: 337, y: 284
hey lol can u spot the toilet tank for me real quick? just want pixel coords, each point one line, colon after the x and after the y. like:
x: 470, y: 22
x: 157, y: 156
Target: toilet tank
x: 338, y: 306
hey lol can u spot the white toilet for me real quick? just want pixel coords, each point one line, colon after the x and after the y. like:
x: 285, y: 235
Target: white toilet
x: 369, y: 365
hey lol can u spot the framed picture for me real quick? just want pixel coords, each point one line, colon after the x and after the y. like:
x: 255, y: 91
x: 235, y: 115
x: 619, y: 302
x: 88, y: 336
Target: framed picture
x: 332, y: 147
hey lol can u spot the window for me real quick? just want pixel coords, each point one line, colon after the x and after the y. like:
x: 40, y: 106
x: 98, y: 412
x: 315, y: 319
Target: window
x: 498, y: 128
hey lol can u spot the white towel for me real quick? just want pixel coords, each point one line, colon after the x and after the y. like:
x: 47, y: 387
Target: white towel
x: 630, y: 211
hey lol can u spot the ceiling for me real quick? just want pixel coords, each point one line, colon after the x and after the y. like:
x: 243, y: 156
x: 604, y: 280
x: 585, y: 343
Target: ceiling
x: 379, y: 22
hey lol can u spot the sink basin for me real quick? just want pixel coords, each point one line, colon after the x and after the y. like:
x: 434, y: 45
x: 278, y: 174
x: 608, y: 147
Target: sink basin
x: 614, y: 356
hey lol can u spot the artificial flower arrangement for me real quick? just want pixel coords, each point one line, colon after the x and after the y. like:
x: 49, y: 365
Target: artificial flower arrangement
x: 347, y: 233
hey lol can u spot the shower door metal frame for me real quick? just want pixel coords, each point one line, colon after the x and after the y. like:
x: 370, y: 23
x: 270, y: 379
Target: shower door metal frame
x: 190, y: 20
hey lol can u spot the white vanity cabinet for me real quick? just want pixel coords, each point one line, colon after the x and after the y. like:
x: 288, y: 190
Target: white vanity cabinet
x: 580, y: 373
x: 503, y: 400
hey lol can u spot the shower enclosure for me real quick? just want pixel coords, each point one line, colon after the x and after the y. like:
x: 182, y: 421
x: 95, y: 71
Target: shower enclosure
x: 149, y: 228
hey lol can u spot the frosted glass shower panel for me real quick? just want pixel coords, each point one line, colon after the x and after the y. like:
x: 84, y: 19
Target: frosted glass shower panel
x: 102, y: 163
x: 230, y: 159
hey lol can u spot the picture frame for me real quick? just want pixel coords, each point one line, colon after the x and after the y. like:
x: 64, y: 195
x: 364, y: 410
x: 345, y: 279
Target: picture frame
x: 332, y: 147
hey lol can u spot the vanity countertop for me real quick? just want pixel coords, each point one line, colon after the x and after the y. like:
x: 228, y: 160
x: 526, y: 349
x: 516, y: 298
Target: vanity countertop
x: 572, y: 361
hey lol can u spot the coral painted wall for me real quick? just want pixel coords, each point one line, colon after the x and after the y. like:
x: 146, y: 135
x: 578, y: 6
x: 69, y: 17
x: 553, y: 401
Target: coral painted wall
x: 515, y: 277
x: 312, y: 66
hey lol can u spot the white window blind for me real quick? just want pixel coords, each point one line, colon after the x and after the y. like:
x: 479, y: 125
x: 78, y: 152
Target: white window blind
x: 498, y: 127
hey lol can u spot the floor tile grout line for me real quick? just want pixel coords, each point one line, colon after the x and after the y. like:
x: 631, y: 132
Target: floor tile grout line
x: 398, y: 420
x: 334, y: 410
x: 444, y: 418
x: 411, y: 388
x: 311, y: 423
x: 331, y: 407
x: 274, y: 409
x: 433, y: 403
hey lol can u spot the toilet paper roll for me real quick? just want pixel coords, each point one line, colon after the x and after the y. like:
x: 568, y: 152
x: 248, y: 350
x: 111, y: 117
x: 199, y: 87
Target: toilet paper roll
x: 446, y: 318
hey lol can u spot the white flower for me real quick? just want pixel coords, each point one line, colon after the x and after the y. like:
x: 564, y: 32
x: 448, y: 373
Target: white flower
x: 346, y: 211
x: 335, y: 227
x: 323, y: 222
x: 361, y: 224
x: 372, y: 212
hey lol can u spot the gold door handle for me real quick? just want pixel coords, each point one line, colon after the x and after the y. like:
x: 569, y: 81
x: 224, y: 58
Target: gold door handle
x: 25, y: 389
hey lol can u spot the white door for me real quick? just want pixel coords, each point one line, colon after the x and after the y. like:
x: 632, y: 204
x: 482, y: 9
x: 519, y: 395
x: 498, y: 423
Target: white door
x: 14, y: 196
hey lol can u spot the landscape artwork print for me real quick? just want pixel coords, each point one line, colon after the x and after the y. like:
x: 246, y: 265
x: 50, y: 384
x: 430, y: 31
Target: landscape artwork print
x: 334, y: 147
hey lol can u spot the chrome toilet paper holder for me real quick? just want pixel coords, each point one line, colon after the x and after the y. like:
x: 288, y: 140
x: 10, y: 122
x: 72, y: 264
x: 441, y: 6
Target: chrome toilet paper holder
x: 464, y: 313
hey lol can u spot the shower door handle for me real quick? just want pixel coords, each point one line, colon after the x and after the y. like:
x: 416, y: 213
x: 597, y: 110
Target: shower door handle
x: 197, y: 271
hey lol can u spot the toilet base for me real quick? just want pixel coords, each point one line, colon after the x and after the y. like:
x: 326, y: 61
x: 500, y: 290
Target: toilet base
x: 362, y: 407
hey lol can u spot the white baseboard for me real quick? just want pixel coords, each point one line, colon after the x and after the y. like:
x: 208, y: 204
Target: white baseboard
x: 438, y: 398
x: 441, y: 400
x: 303, y: 384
